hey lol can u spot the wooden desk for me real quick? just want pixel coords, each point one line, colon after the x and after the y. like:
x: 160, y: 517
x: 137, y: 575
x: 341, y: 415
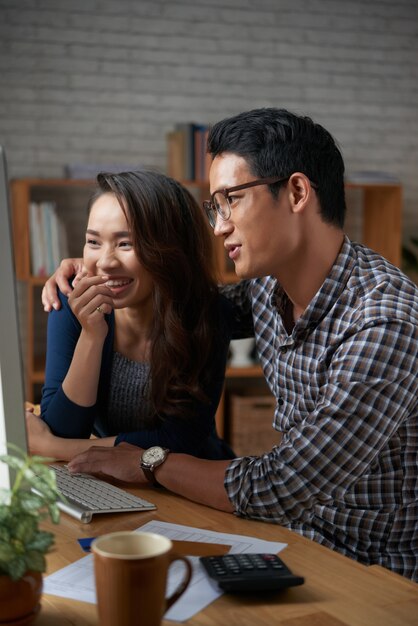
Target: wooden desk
x: 337, y: 590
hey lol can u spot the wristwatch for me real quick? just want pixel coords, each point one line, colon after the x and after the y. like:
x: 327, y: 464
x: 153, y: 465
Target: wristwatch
x: 150, y: 459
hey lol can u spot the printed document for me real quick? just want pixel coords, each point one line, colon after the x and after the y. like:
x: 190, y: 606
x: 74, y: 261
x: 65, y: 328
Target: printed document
x: 76, y: 581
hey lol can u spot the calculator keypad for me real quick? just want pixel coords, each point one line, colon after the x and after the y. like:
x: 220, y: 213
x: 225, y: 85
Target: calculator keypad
x: 245, y: 572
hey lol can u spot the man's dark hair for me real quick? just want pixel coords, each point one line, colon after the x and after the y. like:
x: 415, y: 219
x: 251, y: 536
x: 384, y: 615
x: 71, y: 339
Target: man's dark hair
x: 275, y: 142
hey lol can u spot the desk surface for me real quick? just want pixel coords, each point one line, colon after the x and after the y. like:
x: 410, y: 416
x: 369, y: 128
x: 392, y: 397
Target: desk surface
x: 337, y: 590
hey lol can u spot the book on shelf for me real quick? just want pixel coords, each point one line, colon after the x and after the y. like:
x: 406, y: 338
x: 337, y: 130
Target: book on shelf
x: 187, y: 158
x: 37, y: 240
x: 202, y: 158
x: 48, y: 238
x: 176, y: 154
x: 188, y: 131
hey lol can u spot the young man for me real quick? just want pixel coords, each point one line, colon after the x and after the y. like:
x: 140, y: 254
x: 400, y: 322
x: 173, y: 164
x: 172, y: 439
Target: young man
x: 336, y: 332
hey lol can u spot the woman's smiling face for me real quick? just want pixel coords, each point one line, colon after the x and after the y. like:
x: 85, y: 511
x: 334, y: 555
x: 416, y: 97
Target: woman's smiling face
x: 109, y: 251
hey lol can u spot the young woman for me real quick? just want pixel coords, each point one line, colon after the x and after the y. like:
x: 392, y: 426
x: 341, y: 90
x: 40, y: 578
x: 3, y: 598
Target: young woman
x: 137, y: 352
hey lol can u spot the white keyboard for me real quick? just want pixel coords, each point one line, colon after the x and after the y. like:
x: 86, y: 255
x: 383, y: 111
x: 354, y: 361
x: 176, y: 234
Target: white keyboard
x: 86, y: 495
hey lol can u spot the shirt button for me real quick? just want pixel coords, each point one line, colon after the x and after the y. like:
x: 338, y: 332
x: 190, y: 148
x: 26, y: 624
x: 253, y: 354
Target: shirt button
x: 280, y: 401
x: 283, y: 349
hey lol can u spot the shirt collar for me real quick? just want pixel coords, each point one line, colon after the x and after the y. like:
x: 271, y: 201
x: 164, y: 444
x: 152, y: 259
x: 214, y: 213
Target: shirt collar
x: 325, y: 298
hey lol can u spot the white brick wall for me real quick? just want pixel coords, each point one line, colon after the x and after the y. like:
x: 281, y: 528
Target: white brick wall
x: 103, y: 81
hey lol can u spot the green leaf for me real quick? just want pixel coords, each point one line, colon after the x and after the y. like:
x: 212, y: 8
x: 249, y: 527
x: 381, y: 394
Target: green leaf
x: 30, y: 501
x: 26, y: 528
x: 47, y: 492
x: 12, y: 461
x: 35, y: 561
x: 4, y: 534
x: 5, y: 513
x: 17, y: 450
x: 46, y: 477
x: 17, y: 568
x: 54, y: 513
x: 5, y: 496
x: 29, y: 475
x: 41, y: 460
x: 41, y: 542
x: 7, y: 552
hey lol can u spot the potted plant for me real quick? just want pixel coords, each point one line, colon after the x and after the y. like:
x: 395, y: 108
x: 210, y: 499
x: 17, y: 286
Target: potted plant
x: 23, y: 544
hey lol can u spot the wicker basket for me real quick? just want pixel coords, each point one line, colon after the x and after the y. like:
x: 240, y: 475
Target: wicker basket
x: 251, y: 424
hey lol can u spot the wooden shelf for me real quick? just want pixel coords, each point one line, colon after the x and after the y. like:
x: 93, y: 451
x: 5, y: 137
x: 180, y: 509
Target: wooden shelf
x: 244, y: 372
x: 38, y: 377
x: 71, y: 198
x: 382, y: 218
x: 37, y: 281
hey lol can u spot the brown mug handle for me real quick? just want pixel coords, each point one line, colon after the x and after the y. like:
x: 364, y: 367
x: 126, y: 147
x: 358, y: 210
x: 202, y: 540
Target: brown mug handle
x: 184, y: 583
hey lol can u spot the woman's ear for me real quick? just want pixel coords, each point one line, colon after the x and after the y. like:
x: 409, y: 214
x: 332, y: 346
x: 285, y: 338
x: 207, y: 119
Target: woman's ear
x: 300, y: 191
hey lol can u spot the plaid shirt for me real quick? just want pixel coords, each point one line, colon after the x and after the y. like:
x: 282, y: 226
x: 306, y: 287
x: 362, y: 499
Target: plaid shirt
x: 345, y: 380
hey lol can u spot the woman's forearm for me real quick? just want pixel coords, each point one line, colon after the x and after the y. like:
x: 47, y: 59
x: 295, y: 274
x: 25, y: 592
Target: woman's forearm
x: 63, y: 449
x: 81, y: 382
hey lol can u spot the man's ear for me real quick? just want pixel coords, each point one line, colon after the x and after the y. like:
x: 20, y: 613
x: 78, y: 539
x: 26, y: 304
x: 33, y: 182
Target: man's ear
x: 300, y: 191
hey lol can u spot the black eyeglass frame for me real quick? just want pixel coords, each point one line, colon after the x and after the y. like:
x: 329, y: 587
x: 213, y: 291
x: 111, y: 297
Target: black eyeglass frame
x: 211, y: 209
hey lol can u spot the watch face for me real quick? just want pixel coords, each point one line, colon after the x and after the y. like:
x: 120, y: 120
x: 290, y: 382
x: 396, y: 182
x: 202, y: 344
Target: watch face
x: 153, y: 455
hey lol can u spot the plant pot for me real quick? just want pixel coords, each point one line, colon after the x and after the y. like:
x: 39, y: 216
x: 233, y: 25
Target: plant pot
x: 20, y: 599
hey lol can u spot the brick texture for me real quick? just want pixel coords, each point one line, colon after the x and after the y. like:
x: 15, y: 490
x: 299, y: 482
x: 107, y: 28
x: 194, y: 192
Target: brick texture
x: 103, y: 81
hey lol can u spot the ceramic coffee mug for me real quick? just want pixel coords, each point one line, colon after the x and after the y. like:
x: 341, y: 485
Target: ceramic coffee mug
x: 131, y: 574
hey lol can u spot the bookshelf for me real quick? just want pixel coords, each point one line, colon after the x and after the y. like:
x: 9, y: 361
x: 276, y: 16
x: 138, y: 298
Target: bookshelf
x: 381, y: 207
x: 70, y: 199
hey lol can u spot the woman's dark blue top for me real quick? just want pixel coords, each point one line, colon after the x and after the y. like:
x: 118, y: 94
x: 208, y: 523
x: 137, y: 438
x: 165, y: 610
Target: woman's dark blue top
x: 195, y: 435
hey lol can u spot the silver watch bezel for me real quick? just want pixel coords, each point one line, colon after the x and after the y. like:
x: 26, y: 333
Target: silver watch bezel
x: 149, y: 467
x: 153, y: 463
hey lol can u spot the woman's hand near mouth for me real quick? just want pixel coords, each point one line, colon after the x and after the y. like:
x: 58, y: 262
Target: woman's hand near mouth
x: 90, y: 299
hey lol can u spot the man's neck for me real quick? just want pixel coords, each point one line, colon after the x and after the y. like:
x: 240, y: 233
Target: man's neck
x: 303, y: 279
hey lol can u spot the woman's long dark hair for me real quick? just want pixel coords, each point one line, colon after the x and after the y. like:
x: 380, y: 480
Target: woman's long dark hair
x: 173, y: 243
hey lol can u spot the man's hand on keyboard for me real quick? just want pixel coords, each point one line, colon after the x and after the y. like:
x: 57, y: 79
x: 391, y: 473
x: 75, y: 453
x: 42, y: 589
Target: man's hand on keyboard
x: 120, y: 462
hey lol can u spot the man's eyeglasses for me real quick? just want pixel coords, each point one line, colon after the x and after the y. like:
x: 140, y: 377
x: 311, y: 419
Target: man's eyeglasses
x: 220, y: 203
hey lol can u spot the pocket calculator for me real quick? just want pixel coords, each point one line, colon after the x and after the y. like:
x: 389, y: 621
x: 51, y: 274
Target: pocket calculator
x: 250, y: 572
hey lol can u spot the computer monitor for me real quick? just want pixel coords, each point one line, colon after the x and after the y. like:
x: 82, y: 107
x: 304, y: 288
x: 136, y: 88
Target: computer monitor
x: 12, y: 415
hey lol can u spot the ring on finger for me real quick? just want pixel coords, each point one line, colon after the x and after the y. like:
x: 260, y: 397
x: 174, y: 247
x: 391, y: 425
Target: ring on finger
x: 99, y: 308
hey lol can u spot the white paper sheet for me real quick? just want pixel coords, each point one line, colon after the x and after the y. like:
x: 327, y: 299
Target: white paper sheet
x: 76, y: 581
